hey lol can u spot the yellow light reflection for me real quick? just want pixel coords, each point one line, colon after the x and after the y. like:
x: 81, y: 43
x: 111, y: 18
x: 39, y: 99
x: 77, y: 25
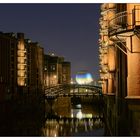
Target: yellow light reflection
x: 79, y: 115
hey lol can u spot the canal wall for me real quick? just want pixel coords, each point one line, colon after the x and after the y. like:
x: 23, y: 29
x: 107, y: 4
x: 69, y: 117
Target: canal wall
x: 62, y: 106
x: 90, y: 99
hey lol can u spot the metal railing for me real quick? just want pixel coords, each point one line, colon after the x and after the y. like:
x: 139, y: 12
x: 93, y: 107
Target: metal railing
x: 65, y: 90
x: 119, y: 22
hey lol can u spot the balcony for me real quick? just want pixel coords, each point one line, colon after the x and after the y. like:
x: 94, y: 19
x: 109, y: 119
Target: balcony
x: 105, y: 12
x: 121, y: 23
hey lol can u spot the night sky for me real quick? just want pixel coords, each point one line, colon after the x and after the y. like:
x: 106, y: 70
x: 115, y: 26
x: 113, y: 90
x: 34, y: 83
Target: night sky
x: 69, y: 30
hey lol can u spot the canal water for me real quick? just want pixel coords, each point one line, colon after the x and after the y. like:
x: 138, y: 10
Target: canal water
x: 66, y: 117
x: 62, y: 117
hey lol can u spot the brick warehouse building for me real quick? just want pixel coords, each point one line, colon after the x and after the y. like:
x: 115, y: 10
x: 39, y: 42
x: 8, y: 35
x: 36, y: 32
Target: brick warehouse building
x: 21, y: 65
x: 26, y: 70
x: 119, y: 54
x: 56, y: 70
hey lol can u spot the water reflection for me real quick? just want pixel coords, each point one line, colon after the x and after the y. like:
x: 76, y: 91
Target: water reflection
x: 51, y: 128
x: 60, y: 117
x: 83, y: 120
x: 69, y: 126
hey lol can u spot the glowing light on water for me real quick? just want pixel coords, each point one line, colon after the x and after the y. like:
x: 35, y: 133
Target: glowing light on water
x: 79, y: 115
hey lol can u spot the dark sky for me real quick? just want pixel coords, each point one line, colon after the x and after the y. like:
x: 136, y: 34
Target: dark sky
x: 69, y: 30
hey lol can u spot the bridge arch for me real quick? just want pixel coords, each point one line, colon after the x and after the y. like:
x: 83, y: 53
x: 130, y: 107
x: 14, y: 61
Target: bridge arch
x: 72, y: 90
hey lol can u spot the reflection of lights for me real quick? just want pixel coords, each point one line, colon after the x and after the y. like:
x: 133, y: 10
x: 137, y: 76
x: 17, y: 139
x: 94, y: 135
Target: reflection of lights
x: 71, y: 115
x: 55, y: 135
x: 61, y: 128
x: 79, y: 115
x: 76, y: 113
x: 88, y: 115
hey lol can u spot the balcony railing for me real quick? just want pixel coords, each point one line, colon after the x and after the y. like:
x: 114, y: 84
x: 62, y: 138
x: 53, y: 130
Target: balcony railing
x: 120, y: 22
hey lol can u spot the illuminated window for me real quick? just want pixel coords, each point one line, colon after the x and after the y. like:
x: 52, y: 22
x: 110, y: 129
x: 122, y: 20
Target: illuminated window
x: 21, y: 59
x: 53, y: 67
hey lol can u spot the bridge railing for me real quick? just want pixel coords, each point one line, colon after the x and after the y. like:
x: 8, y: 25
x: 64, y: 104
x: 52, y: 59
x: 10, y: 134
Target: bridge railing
x: 60, y: 90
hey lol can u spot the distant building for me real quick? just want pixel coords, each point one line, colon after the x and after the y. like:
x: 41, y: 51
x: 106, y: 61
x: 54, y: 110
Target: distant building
x: 24, y: 69
x: 56, y: 70
x: 83, y: 78
x: 66, y: 72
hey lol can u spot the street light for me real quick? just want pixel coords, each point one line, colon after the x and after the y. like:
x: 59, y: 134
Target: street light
x: 54, y: 76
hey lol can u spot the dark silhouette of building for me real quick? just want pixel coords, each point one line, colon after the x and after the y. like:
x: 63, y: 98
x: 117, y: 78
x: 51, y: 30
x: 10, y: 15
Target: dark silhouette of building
x: 8, y: 65
x: 35, y: 63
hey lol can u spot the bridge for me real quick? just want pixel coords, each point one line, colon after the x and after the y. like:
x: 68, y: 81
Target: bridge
x: 72, y: 90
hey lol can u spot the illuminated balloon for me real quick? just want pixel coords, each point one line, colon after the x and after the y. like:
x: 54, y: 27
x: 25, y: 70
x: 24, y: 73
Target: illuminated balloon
x: 83, y: 78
